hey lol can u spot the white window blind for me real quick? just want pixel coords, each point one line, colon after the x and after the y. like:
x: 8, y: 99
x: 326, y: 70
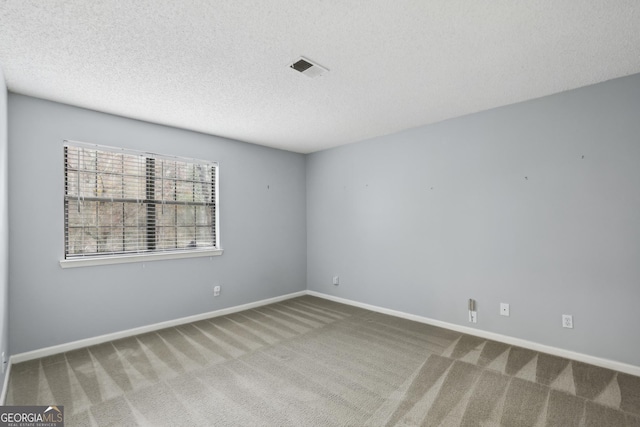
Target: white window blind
x: 120, y: 202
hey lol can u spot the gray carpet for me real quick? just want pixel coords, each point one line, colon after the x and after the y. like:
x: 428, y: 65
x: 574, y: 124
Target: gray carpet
x: 313, y: 362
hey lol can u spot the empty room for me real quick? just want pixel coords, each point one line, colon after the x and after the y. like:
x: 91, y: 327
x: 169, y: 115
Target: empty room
x: 319, y: 213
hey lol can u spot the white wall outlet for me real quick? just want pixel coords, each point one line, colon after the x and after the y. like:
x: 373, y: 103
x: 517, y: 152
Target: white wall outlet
x: 504, y: 309
x: 216, y: 291
x: 473, y: 316
x: 567, y: 321
x: 336, y: 280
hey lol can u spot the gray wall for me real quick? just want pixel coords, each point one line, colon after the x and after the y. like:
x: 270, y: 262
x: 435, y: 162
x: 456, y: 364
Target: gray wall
x: 4, y: 224
x: 263, y: 230
x: 499, y: 206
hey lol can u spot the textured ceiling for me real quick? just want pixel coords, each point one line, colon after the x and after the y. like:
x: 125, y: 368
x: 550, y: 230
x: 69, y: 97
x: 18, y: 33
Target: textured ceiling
x: 221, y: 67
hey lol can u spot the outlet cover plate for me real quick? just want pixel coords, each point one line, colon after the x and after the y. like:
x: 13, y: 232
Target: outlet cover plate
x: 504, y: 309
x: 567, y: 321
x: 473, y: 316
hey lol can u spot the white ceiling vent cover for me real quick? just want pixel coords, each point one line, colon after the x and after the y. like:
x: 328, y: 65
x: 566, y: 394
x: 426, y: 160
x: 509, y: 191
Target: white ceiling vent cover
x: 308, y: 67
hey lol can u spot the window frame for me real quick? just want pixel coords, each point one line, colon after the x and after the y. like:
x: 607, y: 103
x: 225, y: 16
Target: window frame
x: 82, y: 260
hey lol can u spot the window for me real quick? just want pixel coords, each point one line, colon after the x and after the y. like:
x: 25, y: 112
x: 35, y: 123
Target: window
x: 122, y: 203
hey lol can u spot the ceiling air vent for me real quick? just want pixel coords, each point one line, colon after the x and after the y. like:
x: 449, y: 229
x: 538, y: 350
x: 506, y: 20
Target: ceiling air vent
x: 308, y: 68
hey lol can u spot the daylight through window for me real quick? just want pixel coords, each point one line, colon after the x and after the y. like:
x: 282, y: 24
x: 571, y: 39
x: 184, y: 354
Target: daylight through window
x: 120, y: 202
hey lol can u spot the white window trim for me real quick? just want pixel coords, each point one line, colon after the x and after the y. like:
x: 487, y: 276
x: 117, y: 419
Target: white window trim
x: 128, y: 258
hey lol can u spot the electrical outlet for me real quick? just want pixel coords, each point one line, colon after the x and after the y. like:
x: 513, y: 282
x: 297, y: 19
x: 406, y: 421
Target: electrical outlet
x: 567, y: 321
x: 473, y: 316
x: 336, y: 280
x: 216, y: 291
x: 504, y: 309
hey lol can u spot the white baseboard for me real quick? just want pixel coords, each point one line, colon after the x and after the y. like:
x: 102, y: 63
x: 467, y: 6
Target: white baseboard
x: 74, y: 345
x: 580, y: 357
x: 48, y: 351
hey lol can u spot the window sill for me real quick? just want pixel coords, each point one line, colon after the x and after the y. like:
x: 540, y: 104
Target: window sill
x: 123, y: 259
